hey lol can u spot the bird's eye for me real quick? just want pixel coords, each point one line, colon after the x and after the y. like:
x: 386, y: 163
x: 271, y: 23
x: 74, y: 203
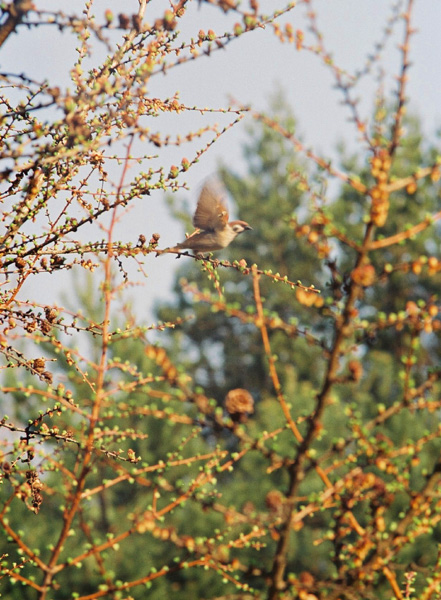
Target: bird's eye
x: 237, y: 228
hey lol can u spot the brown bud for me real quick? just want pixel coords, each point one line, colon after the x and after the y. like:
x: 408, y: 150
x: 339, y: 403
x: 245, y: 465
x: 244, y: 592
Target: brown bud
x: 45, y: 327
x: 355, y: 369
x: 32, y: 326
x: 137, y: 23
x: 39, y: 365
x: 48, y: 376
x: 274, y: 501
x: 7, y: 469
x: 124, y: 21
x: 20, y: 263
x: 203, y: 404
x: 51, y: 314
x: 154, y: 240
x: 238, y: 402
x: 364, y: 275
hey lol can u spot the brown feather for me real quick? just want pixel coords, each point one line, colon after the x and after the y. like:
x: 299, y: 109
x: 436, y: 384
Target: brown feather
x: 211, y: 212
x: 201, y: 242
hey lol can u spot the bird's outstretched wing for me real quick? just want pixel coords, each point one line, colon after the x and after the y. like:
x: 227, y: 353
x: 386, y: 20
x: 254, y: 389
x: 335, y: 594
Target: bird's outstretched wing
x: 211, y: 212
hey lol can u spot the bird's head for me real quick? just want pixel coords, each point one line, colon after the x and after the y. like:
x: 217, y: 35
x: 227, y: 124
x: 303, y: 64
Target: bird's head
x: 239, y: 226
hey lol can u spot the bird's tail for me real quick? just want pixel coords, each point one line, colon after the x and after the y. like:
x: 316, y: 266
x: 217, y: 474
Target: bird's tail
x: 170, y: 250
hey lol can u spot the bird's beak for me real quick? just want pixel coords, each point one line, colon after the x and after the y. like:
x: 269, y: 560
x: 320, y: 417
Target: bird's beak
x: 248, y: 227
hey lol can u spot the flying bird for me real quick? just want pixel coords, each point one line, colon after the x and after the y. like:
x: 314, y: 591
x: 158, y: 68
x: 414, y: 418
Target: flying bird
x: 213, y: 230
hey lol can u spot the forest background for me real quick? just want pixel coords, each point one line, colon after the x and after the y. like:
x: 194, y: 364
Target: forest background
x: 273, y: 432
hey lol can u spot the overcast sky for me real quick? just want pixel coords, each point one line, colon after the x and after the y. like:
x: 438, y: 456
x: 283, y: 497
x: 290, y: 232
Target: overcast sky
x: 250, y: 69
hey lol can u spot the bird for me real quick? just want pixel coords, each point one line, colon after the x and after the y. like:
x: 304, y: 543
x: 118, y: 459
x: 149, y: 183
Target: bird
x: 213, y: 230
